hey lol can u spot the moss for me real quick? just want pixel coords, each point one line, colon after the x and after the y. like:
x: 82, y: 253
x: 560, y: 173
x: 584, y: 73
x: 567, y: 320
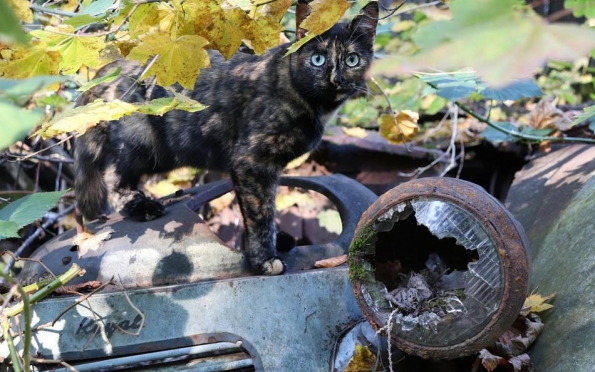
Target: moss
x: 356, y: 260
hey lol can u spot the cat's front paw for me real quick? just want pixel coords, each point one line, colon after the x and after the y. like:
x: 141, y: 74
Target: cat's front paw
x: 274, y: 266
x: 141, y: 208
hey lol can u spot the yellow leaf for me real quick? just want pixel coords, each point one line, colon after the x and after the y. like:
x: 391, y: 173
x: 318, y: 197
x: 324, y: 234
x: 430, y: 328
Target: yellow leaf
x: 161, y: 188
x: 179, y: 60
x: 297, y: 161
x: 88, y: 242
x: 21, y: 9
x: 535, y: 303
x: 76, y: 51
x: 263, y: 33
x: 32, y: 61
x: 356, y: 132
x: 82, y: 118
x: 399, y: 128
x: 275, y: 9
x: 363, y: 359
x: 70, y: 5
x: 223, y: 28
x: 324, y: 15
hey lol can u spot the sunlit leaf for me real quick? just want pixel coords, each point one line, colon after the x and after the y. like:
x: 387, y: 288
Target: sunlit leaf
x: 363, y: 359
x: 74, y: 50
x: 275, y: 9
x: 179, y: 60
x: 83, y: 118
x: 263, y: 33
x: 34, y: 60
x: 356, y: 132
x: 16, y: 122
x: 324, y: 15
x: 536, y: 303
x: 223, y: 27
x: 506, y: 44
x: 400, y: 127
x: 331, y: 221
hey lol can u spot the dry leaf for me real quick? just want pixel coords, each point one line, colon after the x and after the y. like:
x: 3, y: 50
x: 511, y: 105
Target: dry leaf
x: 331, y: 262
x: 356, y: 132
x: 298, y: 161
x: 545, y: 115
x: 86, y: 241
x: 535, y: 303
x: 222, y: 202
x: 399, y: 128
x: 490, y: 361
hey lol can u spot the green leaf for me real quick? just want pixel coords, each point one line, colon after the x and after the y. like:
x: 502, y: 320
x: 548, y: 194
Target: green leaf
x: 17, y: 122
x: 330, y: 220
x: 82, y: 20
x: 10, y: 29
x: 587, y: 114
x: 495, y: 136
x: 8, y: 229
x: 528, y: 130
x: 158, y: 106
x: 26, y: 87
x: 461, y: 84
x: 516, y: 90
x: 30, y: 208
x: 581, y: 8
x: 496, y: 38
x: 98, y: 7
x: 107, y: 78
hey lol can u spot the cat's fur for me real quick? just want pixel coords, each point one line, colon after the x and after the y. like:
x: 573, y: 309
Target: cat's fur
x: 263, y: 111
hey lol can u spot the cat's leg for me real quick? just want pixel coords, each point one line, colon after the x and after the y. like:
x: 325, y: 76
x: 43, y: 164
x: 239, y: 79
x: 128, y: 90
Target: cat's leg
x: 124, y: 196
x: 256, y: 186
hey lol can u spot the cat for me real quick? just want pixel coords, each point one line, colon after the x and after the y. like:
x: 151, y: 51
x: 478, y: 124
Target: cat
x: 263, y: 111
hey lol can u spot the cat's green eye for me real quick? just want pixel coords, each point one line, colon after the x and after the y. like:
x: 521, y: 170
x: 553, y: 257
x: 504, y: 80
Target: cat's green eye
x: 318, y: 59
x: 352, y: 60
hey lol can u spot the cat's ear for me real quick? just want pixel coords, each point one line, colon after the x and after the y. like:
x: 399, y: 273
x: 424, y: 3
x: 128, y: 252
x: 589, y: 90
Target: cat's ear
x: 301, y: 12
x: 367, y: 20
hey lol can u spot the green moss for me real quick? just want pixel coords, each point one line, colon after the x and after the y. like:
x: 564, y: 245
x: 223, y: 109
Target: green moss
x: 356, y: 260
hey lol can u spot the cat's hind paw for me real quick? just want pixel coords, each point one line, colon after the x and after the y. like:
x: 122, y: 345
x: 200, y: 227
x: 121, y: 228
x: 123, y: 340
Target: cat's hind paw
x: 274, y: 266
x: 142, y: 208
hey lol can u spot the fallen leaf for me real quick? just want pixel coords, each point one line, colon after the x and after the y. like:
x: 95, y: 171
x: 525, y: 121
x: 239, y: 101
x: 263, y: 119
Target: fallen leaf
x: 535, y: 303
x: 222, y: 202
x: 331, y: 262
x: 520, y: 363
x: 330, y: 220
x: 545, y: 115
x: 298, y: 161
x: 401, y: 127
x: 363, y: 359
x: 87, y: 241
x: 356, y: 132
x: 490, y: 361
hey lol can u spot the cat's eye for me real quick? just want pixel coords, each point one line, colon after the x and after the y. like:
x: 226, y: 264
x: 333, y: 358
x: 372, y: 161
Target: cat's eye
x: 352, y: 60
x: 318, y: 59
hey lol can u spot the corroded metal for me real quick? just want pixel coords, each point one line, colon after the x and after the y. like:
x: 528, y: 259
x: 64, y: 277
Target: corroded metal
x: 506, y: 233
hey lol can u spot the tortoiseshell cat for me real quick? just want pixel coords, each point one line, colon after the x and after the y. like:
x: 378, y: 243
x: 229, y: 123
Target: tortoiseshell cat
x: 263, y: 112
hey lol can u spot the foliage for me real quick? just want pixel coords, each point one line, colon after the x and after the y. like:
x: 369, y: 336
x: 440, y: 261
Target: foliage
x: 24, y: 211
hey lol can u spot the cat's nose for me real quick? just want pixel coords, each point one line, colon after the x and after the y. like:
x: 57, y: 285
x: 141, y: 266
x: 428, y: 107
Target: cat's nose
x: 336, y: 78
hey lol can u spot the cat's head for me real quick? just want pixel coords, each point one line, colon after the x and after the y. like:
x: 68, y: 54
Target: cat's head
x: 332, y: 67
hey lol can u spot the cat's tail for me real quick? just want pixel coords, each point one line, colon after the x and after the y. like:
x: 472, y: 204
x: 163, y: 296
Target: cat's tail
x: 91, y: 154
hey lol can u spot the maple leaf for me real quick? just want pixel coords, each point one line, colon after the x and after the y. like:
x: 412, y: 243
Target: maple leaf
x: 324, y: 15
x: 22, y: 10
x: 536, y: 303
x: 400, y: 127
x: 179, y: 60
x: 263, y: 33
x: 275, y: 9
x: 31, y: 61
x: 75, y: 51
x: 222, y: 27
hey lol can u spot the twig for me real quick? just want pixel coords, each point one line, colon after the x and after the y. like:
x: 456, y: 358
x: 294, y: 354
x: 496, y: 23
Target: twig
x: 26, y: 310
x: 452, y: 149
x: 47, y: 148
x: 50, y: 159
x: 83, y: 298
x: 54, y: 361
x: 417, y: 7
x: 390, y: 106
x: 142, y: 322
